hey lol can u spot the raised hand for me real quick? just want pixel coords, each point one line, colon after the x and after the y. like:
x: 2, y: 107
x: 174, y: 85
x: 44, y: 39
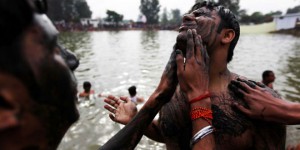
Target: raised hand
x: 192, y: 71
x: 122, y: 110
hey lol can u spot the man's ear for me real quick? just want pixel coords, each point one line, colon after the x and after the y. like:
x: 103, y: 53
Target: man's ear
x: 227, y: 36
x: 12, y: 95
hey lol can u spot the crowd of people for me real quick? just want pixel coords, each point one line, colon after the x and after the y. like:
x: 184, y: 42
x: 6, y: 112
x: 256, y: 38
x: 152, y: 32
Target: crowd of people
x: 197, y: 97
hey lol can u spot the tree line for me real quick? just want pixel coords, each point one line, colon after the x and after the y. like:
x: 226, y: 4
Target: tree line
x: 72, y: 10
x: 68, y: 10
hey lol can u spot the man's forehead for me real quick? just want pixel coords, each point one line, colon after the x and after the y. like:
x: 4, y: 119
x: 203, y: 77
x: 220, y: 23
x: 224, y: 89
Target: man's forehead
x: 46, y: 25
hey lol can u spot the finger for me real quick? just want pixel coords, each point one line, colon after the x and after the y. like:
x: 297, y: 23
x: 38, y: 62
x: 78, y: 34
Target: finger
x: 179, y: 61
x: 198, y: 45
x: 240, y: 85
x: 190, y: 45
x: 250, y: 84
x: 110, y: 109
x: 261, y: 84
x: 242, y: 109
x: 112, y: 117
x: 109, y: 101
x: 236, y: 90
x: 205, y: 55
x: 125, y: 99
x: 111, y: 97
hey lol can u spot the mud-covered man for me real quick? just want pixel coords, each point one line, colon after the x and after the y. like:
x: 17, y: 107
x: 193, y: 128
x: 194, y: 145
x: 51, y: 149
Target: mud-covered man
x: 219, y: 30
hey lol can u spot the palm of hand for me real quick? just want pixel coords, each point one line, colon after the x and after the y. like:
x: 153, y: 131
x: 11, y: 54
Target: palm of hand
x: 125, y: 112
x: 122, y: 110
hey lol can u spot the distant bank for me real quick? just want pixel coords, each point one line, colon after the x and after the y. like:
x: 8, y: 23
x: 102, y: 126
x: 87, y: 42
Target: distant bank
x: 268, y: 28
x: 260, y: 28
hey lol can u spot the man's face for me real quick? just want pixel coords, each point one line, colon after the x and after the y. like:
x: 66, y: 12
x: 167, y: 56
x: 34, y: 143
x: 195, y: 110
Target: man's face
x: 49, y: 110
x: 271, y: 77
x: 205, y: 21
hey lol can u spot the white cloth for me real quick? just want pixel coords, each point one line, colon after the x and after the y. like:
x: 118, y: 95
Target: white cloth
x: 134, y: 99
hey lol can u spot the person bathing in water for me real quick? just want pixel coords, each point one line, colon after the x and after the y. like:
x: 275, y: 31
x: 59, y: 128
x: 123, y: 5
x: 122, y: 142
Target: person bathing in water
x: 87, y: 90
x: 133, y: 95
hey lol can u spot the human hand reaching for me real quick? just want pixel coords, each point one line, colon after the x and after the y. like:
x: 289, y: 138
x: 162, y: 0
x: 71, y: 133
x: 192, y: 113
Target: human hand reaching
x: 261, y: 104
x: 122, y: 110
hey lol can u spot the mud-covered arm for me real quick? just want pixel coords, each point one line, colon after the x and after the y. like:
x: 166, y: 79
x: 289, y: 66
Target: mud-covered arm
x: 194, y: 80
x: 130, y: 135
x: 264, y: 103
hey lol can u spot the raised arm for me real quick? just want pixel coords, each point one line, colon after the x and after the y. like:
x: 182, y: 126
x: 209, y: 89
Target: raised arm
x: 262, y: 103
x: 130, y: 135
x: 194, y: 80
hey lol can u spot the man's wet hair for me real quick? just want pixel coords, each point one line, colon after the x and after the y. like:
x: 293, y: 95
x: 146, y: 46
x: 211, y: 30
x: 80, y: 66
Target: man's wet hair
x: 266, y: 73
x: 132, y: 90
x: 228, y: 21
x: 87, y: 86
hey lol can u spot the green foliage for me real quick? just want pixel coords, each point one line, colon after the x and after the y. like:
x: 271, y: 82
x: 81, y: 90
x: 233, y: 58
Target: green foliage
x: 68, y: 10
x: 83, y: 9
x: 293, y: 10
x: 176, y: 17
x: 257, y: 17
x: 164, y: 18
x: 174, y: 20
x: 55, y: 10
x: 150, y: 8
x: 113, y: 16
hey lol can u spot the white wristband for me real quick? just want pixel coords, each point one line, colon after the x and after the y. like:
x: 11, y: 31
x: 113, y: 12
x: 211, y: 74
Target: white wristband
x: 201, y: 134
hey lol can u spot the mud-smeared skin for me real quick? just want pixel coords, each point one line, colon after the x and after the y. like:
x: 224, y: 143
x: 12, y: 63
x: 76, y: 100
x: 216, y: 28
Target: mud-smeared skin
x: 207, y: 29
x: 233, y: 129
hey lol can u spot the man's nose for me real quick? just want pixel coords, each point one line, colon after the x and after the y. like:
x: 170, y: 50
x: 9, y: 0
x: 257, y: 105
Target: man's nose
x: 70, y: 58
x: 188, y: 17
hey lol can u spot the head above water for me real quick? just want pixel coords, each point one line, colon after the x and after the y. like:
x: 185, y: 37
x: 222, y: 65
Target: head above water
x: 268, y: 76
x: 87, y: 86
x: 132, y: 91
x: 38, y: 92
x: 204, y: 18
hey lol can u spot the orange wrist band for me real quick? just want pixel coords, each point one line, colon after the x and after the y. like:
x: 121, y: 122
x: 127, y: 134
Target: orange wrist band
x: 200, y: 112
x: 201, y: 97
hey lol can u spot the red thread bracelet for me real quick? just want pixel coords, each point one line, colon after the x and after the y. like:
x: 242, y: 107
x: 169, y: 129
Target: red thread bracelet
x: 203, y: 113
x: 201, y: 97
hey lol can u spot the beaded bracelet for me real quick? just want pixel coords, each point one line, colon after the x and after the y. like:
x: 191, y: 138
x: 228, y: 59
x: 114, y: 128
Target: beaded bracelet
x: 200, y: 112
x: 201, y: 134
x: 201, y: 97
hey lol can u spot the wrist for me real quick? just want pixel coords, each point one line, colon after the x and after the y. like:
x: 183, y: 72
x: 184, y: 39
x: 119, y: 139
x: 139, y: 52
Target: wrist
x: 206, y: 103
x: 195, y: 93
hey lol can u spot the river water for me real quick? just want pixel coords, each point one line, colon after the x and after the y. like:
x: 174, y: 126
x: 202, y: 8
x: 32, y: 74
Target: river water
x: 114, y: 60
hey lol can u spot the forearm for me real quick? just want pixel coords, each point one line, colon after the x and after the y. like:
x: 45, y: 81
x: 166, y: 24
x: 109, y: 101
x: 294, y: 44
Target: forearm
x: 153, y: 132
x: 130, y: 135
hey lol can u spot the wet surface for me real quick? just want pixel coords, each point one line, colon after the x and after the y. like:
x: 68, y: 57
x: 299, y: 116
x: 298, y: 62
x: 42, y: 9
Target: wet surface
x: 113, y: 61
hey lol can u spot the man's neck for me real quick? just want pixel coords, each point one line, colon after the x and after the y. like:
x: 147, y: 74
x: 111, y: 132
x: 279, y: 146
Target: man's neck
x: 219, y: 75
